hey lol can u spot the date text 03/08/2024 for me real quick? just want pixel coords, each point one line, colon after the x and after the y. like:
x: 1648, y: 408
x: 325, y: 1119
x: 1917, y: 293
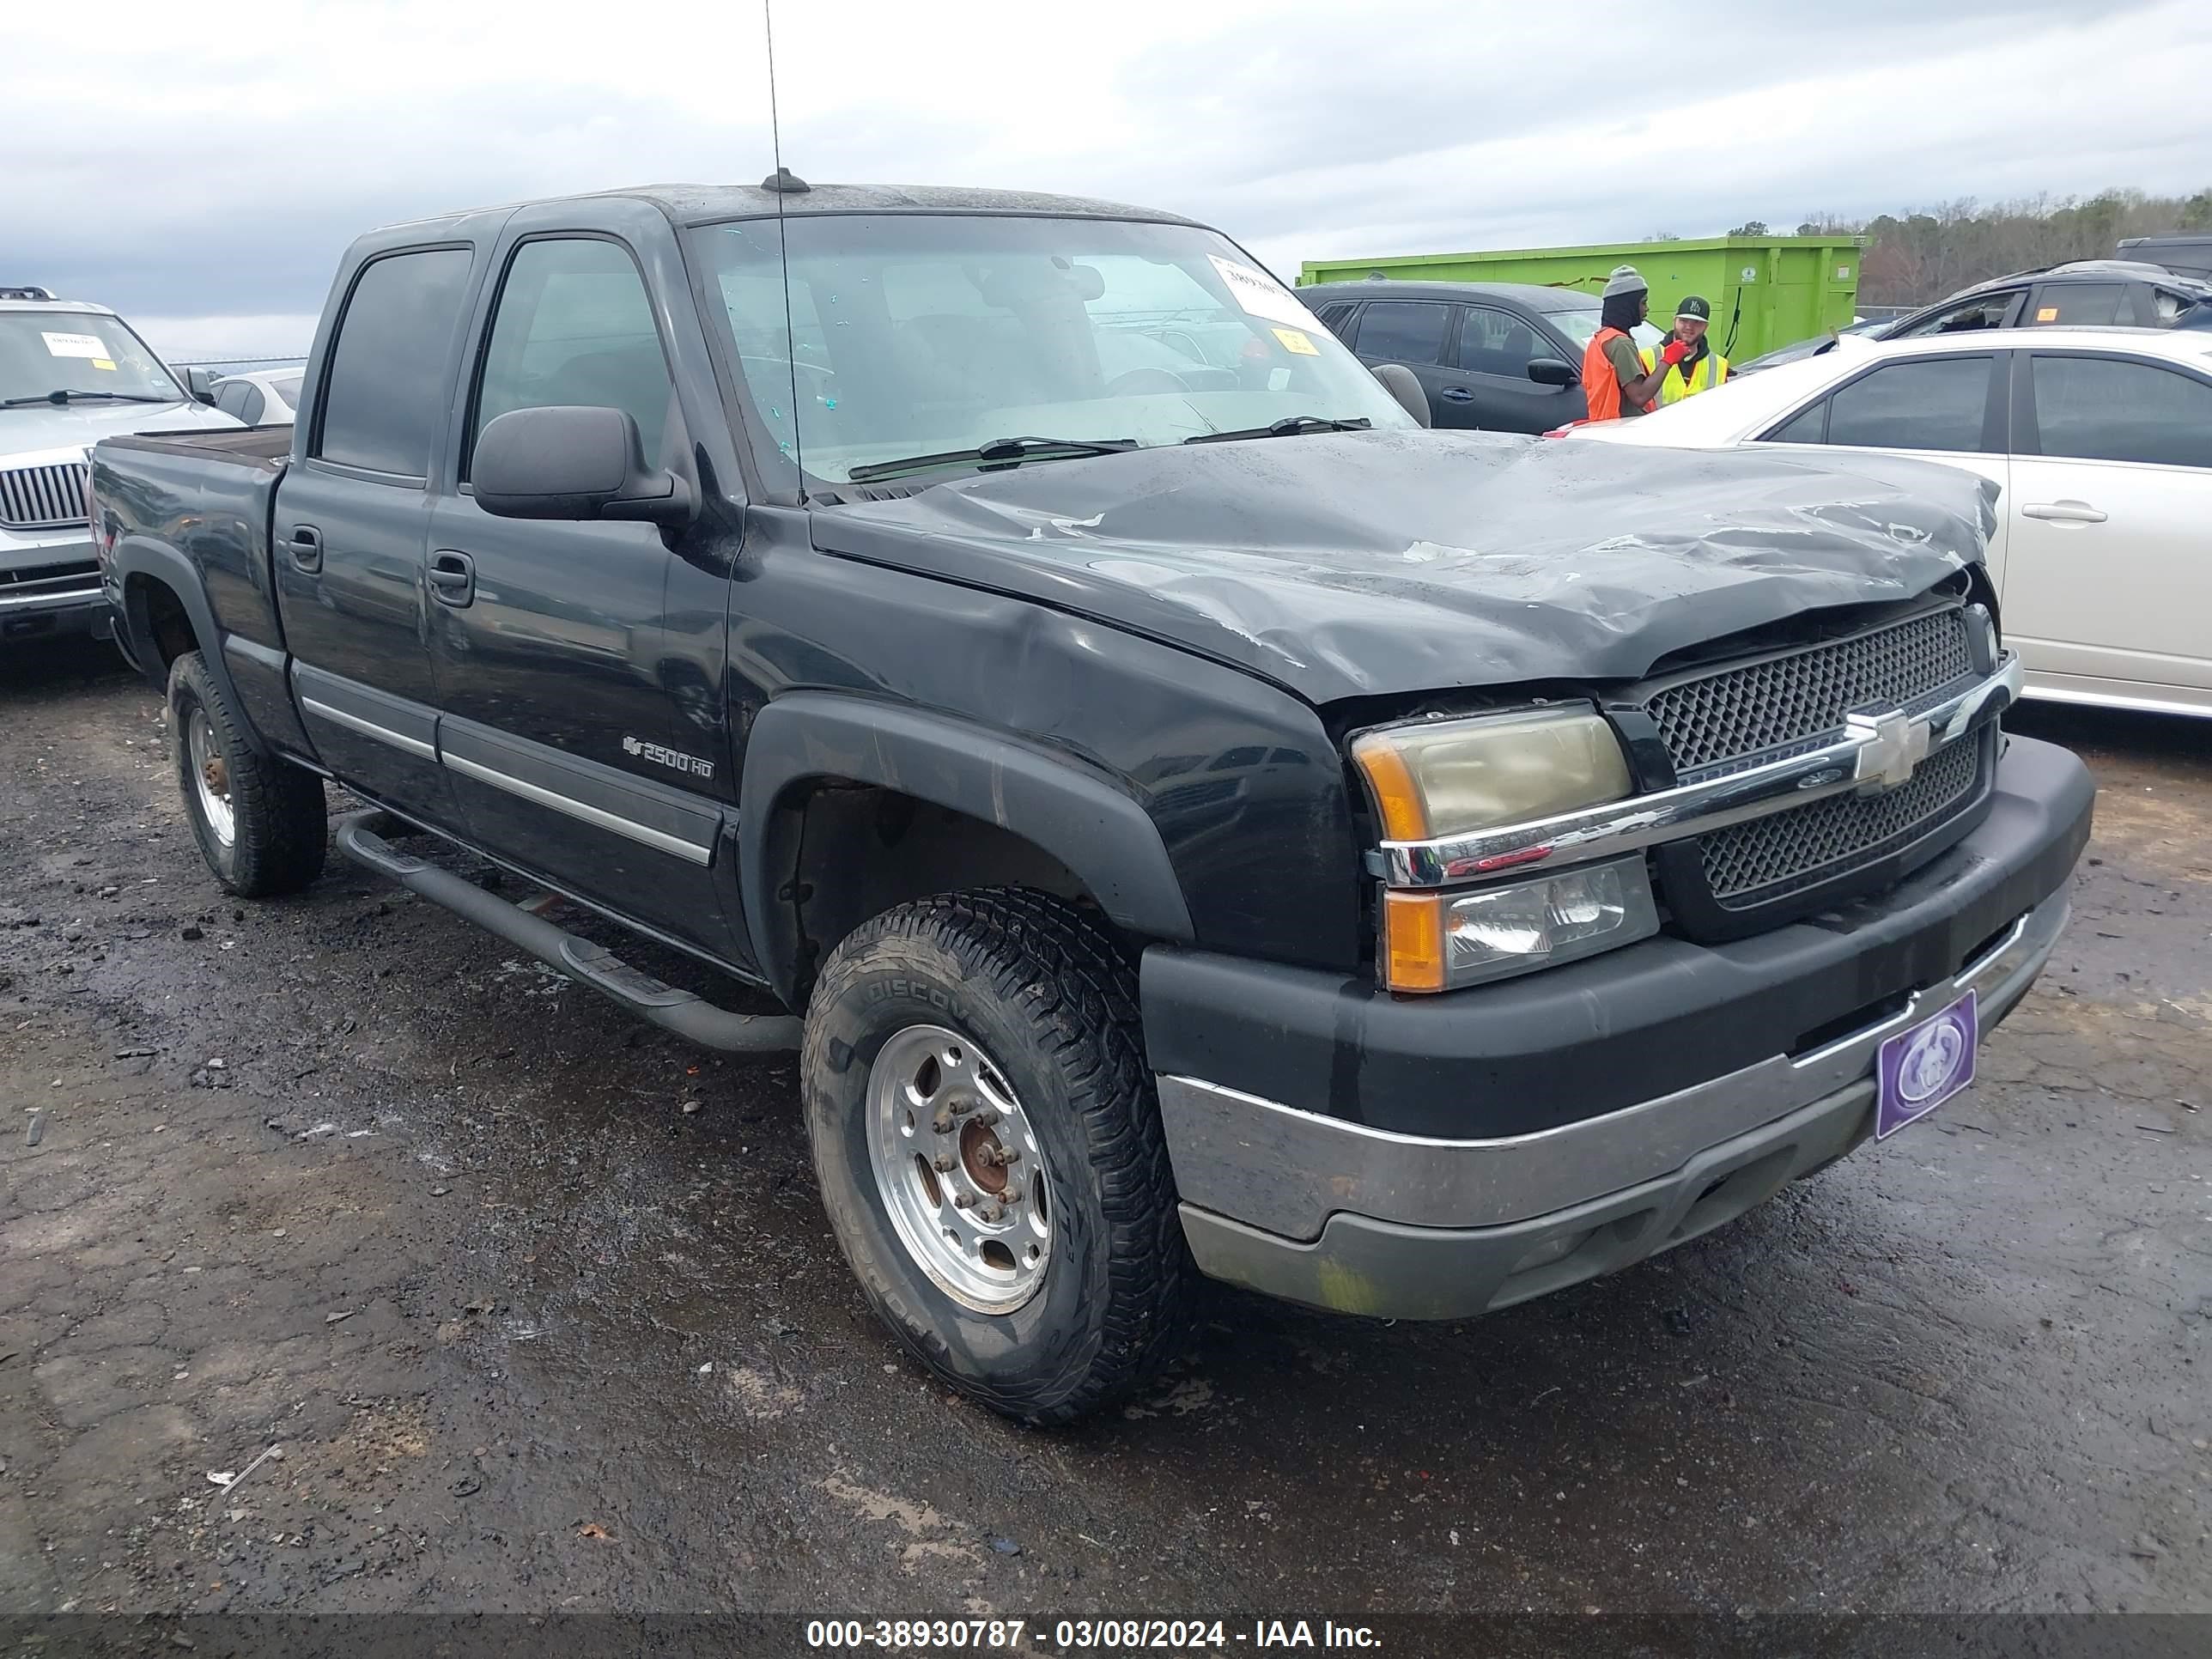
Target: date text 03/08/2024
x: 1083, y: 1635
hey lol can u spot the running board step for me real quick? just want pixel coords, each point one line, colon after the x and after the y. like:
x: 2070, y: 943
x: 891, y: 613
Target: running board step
x: 360, y: 838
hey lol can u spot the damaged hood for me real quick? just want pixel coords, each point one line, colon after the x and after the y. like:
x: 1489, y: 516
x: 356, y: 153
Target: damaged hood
x: 1350, y: 564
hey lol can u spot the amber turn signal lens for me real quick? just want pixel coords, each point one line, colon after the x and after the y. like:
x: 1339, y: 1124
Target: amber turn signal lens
x: 1414, y: 941
x: 1397, y: 796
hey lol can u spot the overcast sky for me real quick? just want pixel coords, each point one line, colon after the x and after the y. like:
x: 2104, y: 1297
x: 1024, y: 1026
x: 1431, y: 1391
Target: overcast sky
x: 201, y: 164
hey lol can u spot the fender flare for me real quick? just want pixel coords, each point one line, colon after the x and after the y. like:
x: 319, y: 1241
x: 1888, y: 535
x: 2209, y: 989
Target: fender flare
x: 1072, y: 811
x: 135, y: 556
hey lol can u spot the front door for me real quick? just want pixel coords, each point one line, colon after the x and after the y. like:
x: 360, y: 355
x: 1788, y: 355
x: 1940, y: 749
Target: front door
x: 1492, y: 385
x: 350, y: 527
x: 582, y: 743
x: 2111, y: 578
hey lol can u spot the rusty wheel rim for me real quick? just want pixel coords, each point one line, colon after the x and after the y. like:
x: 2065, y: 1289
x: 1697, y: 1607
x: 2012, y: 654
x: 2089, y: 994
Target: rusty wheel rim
x: 959, y: 1168
x: 211, y: 778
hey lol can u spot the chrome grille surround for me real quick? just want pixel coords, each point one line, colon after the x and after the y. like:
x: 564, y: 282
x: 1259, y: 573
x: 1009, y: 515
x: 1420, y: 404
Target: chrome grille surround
x: 43, y: 497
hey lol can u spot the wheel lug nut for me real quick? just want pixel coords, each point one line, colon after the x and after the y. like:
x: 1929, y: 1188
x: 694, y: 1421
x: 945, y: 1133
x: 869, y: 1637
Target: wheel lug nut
x: 942, y: 1125
x: 1008, y: 1157
x: 1011, y: 1195
x: 990, y: 1120
x: 942, y: 1164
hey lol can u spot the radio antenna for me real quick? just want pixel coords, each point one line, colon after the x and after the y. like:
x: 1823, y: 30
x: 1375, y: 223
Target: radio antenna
x: 781, y: 183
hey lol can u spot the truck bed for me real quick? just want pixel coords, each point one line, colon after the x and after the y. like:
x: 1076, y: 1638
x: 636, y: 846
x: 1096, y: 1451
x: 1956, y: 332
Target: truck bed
x: 261, y: 446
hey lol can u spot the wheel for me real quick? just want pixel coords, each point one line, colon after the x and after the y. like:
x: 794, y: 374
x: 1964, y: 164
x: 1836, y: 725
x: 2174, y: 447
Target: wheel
x: 989, y: 1144
x: 260, y: 821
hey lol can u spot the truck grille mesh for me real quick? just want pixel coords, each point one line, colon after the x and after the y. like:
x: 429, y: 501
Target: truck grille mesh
x: 43, y: 497
x: 1734, y: 717
x: 1792, y: 701
x: 1769, y: 858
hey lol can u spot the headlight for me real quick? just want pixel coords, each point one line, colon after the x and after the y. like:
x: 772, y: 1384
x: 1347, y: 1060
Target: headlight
x: 1440, y: 941
x: 1454, y: 776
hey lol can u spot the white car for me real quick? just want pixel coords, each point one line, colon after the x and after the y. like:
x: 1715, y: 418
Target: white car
x: 2101, y: 441
x: 267, y: 396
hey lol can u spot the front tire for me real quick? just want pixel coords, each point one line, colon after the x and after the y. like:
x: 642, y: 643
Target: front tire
x: 943, y: 1036
x: 262, y: 823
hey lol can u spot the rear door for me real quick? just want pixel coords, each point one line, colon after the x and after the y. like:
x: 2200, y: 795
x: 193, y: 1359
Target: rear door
x: 579, y: 664
x: 2110, y: 583
x: 1495, y: 346
x: 350, y: 524
x: 1417, y: 333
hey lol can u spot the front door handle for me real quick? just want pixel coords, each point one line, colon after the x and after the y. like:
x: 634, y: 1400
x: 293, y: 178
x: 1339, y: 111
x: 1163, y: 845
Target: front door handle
x: 452, y: 580
x: 2063, y: 511
x: 1457, y: 394
x: 306, y: 547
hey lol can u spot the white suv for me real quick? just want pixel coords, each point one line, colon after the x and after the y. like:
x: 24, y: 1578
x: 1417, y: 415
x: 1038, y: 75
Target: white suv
x: 69, y: 372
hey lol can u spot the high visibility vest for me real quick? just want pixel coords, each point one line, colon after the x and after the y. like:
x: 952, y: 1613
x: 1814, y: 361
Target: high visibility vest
x: 1711, y: 370
x: 1601, y: 385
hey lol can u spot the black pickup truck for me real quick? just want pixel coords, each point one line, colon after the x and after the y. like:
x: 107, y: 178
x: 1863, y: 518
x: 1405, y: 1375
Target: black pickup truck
x: 1199, y: 820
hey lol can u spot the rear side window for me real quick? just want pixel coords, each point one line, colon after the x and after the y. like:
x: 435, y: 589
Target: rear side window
x: 1403, y: 330
x: 386, y: 377
x: 1940, y: 405
x: 252, y: 406
x: 574, y: 326
x: 2096, y: 409
x: 231, y: 400
x: 1335, y: 317
x: 2073, y: 305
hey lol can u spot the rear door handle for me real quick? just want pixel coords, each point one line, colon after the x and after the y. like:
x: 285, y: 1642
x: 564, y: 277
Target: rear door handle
x: 2063, y: 511
x: 1458, y: 394
x: 306, y: 547
x: 452, y: 580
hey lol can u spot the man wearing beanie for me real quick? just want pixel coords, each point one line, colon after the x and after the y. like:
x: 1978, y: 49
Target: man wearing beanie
x: 1614, y: 381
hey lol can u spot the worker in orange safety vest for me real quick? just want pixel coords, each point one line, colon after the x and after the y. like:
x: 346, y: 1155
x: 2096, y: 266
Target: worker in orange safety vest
x: 1617, y: 382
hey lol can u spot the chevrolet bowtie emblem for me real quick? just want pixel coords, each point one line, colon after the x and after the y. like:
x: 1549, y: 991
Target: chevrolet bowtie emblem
x: 1890, y: 746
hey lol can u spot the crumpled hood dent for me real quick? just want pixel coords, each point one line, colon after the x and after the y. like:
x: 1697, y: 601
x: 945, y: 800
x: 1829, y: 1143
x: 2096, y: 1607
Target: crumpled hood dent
x: 1362, y: 563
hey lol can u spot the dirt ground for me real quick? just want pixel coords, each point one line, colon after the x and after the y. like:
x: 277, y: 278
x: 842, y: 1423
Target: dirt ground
x: 340, y: 1176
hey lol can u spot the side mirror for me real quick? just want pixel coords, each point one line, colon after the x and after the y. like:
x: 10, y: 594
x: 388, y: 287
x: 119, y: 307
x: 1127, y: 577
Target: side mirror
x: 1550, y: 371
x: 570, y: 461
x: 200, y: 382
x: 1402, y: 383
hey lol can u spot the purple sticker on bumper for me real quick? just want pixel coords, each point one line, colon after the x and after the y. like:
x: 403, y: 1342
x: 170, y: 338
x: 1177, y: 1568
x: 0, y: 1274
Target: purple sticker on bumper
x: 1920, y: 1069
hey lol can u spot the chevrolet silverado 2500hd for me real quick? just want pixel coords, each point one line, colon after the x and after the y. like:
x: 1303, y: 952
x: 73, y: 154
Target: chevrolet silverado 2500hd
x: 1198, y: 821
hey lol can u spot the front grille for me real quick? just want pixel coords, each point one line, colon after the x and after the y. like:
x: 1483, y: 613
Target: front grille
x: 43, y: 497
x: 1764, y: 709
x: 1769, y: 858
x: 1720, y: 721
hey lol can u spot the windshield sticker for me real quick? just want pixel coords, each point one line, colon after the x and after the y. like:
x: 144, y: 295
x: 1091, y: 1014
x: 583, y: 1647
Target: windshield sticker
x: 74, y: 345
x: 107, y: 363
x: 1261, y: 295
x: 1294, y: 339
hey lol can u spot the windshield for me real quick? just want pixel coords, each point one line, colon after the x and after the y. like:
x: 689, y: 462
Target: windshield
x: 44, y: 351
x: 1580, y: 324
x: 914, y: 335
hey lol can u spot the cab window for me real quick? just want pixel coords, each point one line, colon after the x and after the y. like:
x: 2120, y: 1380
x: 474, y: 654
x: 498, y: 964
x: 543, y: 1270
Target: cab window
x: 575, y: 325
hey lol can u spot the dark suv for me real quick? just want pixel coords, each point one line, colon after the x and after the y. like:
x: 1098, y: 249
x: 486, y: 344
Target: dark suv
x: 2089, y: 293
x: 1500, y: 356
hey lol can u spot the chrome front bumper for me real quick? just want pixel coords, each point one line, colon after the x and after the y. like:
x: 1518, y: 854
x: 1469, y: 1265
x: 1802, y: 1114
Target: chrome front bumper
x: 1341, y: 1215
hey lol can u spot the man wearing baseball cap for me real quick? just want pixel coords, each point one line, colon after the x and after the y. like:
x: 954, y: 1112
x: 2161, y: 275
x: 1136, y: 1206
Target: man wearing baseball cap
x: 1698, y: 367
x: 1618, y: 379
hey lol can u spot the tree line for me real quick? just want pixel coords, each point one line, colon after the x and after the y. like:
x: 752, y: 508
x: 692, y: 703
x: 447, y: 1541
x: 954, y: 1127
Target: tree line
x: 1914, y: 258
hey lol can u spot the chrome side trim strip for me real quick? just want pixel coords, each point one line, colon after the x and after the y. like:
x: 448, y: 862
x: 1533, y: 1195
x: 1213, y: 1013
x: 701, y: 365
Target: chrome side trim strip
x: 1287, y: 1171
x: 369, y: 728
x: 645, y: 834
x: 1867, y: 760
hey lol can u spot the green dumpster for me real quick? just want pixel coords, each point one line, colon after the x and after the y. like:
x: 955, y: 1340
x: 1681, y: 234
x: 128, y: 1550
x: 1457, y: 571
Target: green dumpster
x: 1767, y: 291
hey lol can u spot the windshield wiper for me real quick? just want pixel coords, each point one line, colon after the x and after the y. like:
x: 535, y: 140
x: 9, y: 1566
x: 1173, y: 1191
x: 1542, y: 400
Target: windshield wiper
x: 66, y: 395
x: 1287, y: 427
x: 1010, y: 452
